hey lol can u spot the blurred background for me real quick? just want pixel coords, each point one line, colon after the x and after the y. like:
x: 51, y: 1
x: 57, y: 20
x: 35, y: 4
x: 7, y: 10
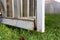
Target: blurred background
x: 52, y: 6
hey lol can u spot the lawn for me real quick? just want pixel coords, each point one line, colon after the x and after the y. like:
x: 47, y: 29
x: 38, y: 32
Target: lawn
x: 52, y: 32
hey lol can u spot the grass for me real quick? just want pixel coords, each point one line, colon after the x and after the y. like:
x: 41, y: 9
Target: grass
x: 52, y: 31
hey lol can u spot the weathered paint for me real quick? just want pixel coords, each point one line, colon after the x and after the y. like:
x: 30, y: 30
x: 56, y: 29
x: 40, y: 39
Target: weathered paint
x: 27, y: 24
x: 39, y: 16
x: 19, y: 23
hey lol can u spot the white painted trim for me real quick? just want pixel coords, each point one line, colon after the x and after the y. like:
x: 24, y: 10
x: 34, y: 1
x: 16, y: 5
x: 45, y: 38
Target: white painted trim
x: 40, y: 15
x: 18, y: 5
x: 19, y: 23
x: 5, y: 6
x: 33, y: 8
x: 27, y: 8
x: 13, y: 8
x: 21, y: 8
x: 43, y: 15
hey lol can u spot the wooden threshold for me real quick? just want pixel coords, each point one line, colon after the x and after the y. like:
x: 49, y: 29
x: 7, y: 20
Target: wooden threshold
x: 24, y: 19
